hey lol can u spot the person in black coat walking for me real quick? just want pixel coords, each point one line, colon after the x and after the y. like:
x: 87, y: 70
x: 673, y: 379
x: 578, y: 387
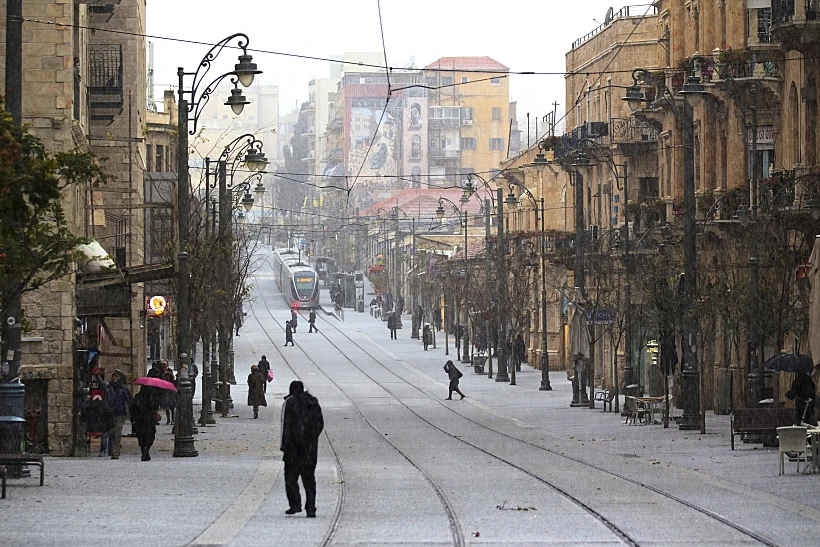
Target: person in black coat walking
x: 264, y: 367
x: 454, y: 374
x: 288, y: 333
x: 426, y: 335
x: 144, y: 418
x: 302, y: 423
x: 312, y: 321
x: 294, y: 319
x: 391, y: 324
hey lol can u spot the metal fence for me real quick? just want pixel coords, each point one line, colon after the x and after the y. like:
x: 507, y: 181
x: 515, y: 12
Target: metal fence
x: 105, y: 67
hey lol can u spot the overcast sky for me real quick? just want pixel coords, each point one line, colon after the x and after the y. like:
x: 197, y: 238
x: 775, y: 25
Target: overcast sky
x: 525, y: 35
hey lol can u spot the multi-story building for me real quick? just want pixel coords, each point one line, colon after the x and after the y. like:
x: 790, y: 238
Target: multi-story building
x: 468, y: 116
x: 86, y: 89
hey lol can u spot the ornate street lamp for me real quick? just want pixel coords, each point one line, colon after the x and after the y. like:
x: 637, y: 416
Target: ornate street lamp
x: 244, y: 72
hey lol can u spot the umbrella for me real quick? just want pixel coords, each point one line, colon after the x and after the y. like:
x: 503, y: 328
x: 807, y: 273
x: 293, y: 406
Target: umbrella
x: 155, y: 382
x: 789, y: 362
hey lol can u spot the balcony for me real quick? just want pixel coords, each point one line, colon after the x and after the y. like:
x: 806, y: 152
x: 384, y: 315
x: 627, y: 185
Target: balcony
x: 445, y: 154
x: 105, y: 90
x: 444, y: 122
x: 629, y: 130
x: 796, y: 23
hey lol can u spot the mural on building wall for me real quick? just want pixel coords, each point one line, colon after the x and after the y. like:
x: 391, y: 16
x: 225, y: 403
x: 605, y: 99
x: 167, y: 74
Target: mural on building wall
x: 415, y: 141
x: 377, y: 162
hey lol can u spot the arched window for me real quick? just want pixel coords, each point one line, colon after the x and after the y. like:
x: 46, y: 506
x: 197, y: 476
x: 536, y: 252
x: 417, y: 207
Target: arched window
x: 415, y: 147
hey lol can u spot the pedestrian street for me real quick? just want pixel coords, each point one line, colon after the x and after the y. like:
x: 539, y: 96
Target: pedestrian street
x: 400, y: 464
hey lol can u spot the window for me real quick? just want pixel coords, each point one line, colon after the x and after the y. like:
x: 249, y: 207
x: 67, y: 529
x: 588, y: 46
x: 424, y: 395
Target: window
x: 331, y: 97
x: 446, y: 80
x: 467, y: 113
x: 468, y: 143
x: 495, y: 81
x: 496, y: 144
x: 464, y: 79
x: 415, y: 147
x: 431, y: 80
x: 149, y: 153
x: 496, y: 113
x: 160, y: 164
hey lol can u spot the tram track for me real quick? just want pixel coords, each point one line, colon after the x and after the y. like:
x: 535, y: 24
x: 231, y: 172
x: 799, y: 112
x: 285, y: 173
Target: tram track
x: 614, y: 528
x: 455, y: 528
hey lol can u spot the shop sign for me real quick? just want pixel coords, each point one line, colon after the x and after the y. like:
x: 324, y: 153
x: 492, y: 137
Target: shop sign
x: 156, y: 305
x: 765, y: 135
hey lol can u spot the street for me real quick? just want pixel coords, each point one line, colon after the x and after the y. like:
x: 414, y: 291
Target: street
x: 398, y: 464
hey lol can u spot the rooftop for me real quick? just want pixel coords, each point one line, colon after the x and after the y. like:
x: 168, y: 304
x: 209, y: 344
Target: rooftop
x: 476, y: 64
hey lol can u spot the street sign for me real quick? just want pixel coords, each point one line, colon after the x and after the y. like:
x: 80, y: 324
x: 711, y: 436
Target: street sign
x: 600, y: 317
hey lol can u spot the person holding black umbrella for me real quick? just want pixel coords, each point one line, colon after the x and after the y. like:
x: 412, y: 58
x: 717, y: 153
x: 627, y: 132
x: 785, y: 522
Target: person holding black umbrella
x: 803, y: 392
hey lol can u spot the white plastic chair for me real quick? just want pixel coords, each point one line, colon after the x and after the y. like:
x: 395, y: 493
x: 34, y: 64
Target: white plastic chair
x: 791, y: 439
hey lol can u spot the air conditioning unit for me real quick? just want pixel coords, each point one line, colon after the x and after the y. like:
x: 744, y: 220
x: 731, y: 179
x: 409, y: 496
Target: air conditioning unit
x: 467, y: 122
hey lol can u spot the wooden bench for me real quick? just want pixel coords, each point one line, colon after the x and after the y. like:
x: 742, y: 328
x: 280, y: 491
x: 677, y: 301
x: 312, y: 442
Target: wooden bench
x: 606, y: 397
x: 25, y: 459
x: 759, y: 420
x: 3, y: 478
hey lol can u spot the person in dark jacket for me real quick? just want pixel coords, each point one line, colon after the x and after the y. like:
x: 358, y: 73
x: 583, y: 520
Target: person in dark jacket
x: 391, y: 324
x: 426, y: 335
x: 144, y: 419
x: 312, y: 321
x: 803, y: 392
x: 117, y: 400
x: 294, y: 319
x: 169, y: 398
x: 264, y: 367
x: 454, y: 374
x: 519, y: 351
x: 288, y: 333
x: 256, y: 390
x: 302, y: 423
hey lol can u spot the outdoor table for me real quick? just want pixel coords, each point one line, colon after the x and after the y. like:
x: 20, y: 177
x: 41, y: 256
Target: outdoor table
x: 651, y: 402
x: 814, y: 466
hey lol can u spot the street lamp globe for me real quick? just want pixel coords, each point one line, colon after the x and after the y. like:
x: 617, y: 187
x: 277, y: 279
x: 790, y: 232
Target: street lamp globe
x: 634, y: 97
x: 247, y: 201
x: 540, y: 162
x: 237, y: 101
x: 511, y: 199
x: 581, y: 162
x: 255, y: 161
x: 245, y: 70
x: 692, y: 90
x: 259, y: 190
x: 440, y: 211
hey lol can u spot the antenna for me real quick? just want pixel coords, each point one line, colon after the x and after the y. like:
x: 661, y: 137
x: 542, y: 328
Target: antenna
x: 152, y: 106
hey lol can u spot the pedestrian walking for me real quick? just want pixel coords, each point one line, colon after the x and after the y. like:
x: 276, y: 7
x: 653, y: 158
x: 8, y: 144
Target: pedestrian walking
x: 193, y: 372
x: 391, y: 325
x: 454, y: 374
x: 425, y: 334
x: 144, y: 419
x: 117, y: 400
x: 312, y: 321
x: 288, y: 333
x: 264, y: 368
x: 294, y: 319
x: 256, y: 390
x: 302, y: 422
x: 169, y: 398
x: 520, y: 351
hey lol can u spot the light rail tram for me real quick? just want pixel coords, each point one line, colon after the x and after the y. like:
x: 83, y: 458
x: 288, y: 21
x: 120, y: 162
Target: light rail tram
x: 295, y: 278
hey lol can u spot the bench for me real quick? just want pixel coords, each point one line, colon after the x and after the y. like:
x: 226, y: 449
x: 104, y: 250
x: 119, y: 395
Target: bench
x: 24, y: 459
x: 3, y: 478
x: 606, y: 397
x: 759, y: 420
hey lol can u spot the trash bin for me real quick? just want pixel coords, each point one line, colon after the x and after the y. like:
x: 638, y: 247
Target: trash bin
x: 12, y: 423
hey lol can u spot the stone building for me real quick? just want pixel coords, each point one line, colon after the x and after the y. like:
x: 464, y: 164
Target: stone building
x: 85, y: 90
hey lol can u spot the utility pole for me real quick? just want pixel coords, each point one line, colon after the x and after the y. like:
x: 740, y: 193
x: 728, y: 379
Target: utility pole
x: 487, y: 277
x: 502, y: 375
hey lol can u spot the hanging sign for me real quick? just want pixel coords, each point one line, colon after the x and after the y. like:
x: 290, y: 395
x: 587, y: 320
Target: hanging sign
x: 156, y: 305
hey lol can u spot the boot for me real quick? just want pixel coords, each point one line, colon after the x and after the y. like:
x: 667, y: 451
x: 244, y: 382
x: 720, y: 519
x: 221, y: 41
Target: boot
x: 255, y: 413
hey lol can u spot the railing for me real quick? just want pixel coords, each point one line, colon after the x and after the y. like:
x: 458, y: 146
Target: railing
x: 104, y: 68
x: 626, y: 11
x: 444, y: 122
x: 783, y: 11
x: 445, y: 153
x: 630, y: 130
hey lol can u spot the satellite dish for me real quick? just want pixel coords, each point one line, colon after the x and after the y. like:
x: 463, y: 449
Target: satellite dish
x: 608, y: 18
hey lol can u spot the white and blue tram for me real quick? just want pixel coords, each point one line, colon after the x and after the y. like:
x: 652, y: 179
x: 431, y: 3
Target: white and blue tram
x: 297, y: 280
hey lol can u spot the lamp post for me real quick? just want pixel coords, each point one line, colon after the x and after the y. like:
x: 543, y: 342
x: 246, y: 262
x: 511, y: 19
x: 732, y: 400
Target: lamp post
x: 489, y: 206
x: 465, y: 357
x: 244, y: 72
x: 755, y: 371
x: 691, y: 93
x: 540, y: 163
x: 579, y: 397
x: 629, y: 370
